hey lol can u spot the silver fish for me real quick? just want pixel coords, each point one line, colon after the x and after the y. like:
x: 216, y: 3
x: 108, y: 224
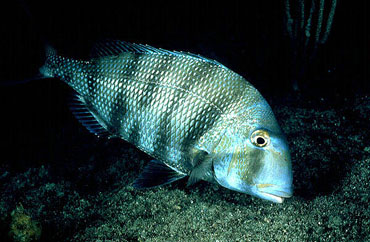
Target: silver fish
x: 196, y: 117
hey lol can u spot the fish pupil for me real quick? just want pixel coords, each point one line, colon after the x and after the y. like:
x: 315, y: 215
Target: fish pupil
x: 260, y: 141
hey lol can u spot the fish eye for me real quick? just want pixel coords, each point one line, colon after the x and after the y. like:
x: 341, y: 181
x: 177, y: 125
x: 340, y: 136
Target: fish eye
x: 260, y: 138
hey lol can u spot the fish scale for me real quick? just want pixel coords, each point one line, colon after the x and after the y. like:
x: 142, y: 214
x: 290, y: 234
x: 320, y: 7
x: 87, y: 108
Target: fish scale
x: 142, y: 88
x: 141, y: 84
x: 187, y: 111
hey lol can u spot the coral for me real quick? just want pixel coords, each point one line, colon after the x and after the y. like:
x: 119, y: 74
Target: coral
x: 22, y: 227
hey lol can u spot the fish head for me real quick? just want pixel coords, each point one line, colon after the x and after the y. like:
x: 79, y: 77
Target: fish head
x: 254, y: 158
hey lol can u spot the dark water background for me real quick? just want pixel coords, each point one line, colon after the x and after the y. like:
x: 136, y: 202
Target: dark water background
x: 326, y: 121
x: 249, y: 37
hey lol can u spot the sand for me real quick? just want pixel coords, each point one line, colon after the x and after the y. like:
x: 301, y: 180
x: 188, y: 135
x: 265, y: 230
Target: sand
x: 86, y: 195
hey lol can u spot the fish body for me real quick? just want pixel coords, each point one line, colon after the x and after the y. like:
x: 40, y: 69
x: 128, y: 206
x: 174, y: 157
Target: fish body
x: 196, y: 117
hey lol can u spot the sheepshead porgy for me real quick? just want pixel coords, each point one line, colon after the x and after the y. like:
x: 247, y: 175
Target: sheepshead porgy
x: 196, y: 117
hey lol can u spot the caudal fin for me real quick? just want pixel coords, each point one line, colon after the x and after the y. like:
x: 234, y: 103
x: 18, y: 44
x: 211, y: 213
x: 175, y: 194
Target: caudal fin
x: 46, y: 70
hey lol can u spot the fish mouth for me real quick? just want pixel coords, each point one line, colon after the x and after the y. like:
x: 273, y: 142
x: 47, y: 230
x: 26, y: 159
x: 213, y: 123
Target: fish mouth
x: 272, y: 197
x: 274, y: 193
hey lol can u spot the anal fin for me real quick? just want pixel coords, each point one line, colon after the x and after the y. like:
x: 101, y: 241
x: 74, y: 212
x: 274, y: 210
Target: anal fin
x: 87, y: 116
x: 156, y: 174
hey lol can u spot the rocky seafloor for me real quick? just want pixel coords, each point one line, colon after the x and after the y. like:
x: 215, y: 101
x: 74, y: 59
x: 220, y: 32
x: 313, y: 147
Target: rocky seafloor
x: 84, y: 194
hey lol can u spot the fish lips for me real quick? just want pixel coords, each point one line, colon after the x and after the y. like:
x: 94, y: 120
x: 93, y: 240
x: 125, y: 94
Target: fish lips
x: 273, y: 192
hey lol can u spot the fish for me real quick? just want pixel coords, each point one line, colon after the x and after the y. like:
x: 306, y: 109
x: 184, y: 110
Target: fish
x: 194, y: 116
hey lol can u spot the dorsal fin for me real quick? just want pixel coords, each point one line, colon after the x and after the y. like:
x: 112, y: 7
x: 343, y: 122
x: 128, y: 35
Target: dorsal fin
x: 199, y: 57
x: 85, y: 114
x: 117, y: 47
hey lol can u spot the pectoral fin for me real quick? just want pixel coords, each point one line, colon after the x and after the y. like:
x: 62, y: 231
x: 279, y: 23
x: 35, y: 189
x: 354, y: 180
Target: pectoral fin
x: 155, y: 174
x: 202, y: 167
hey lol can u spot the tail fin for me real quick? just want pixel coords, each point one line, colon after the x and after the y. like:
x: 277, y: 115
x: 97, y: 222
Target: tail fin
x: 45, y: 70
